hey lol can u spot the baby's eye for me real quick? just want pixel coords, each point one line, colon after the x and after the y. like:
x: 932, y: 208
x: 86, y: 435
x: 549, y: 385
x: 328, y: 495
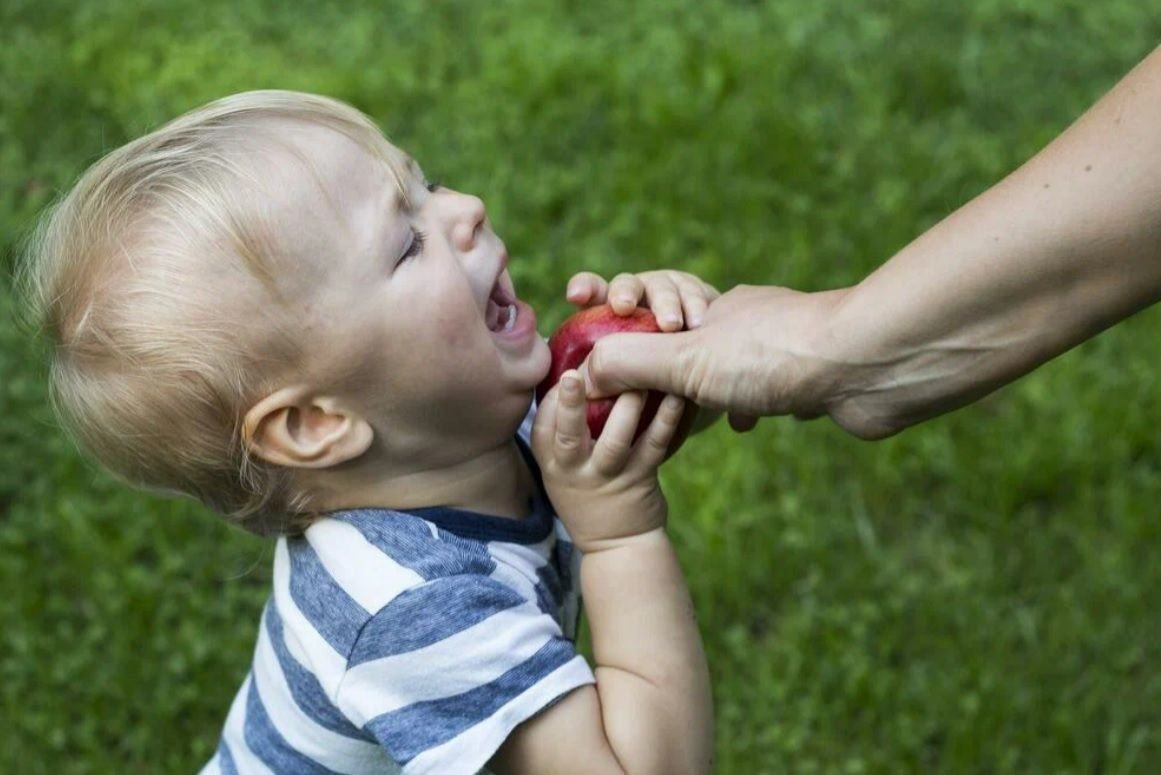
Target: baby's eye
x: 433, y: 186
x: 415, y: 247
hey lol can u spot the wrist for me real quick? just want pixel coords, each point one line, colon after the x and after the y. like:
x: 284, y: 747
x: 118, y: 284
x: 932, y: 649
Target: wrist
x: 851, y: 365
x: 610, y: 546
x: 599, y: 520
x: 826, y: 369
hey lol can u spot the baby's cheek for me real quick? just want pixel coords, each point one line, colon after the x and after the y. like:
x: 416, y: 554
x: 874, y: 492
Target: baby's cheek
x: 453, y: 329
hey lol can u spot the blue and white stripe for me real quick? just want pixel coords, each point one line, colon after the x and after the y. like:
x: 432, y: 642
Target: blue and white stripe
x: 392, y: 643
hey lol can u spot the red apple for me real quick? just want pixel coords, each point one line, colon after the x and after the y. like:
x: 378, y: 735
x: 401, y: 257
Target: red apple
x: 571, y: 344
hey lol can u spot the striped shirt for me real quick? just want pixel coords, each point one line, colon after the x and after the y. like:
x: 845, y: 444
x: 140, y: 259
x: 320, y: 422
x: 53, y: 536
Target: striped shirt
x: 409, y: 642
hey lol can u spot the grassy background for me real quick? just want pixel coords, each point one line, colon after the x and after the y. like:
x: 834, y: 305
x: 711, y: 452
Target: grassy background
x: 980, y: 594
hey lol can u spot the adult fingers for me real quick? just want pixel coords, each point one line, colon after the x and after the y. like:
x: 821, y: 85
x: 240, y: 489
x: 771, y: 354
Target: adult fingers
x: 621, y: 362
x: 742, y: 423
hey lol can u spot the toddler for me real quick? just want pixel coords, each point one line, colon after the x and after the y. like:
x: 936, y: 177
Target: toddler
x: 265, y: 305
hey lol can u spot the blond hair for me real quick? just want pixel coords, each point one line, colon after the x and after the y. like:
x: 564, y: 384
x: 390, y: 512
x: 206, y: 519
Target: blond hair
x: 154, y: 280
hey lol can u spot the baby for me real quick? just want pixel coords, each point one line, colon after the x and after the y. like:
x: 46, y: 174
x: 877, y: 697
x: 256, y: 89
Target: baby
x: 265, y: 305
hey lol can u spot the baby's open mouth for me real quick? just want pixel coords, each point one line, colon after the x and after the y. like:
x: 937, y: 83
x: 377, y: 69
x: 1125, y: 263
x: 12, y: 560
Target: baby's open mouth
x: 501, y: 312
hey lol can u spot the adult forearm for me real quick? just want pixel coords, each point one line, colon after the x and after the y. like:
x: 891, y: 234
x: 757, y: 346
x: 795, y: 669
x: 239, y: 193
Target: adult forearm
x: 1064, y: 247
x: 651, y: 670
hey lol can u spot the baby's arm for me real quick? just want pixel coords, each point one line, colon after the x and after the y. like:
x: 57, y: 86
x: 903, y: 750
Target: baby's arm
x: 651, y: 709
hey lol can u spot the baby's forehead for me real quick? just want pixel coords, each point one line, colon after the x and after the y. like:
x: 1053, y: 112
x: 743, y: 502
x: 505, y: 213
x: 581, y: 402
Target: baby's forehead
x: 332, y: 156
x: 315, y: 197
x: 310, y: 173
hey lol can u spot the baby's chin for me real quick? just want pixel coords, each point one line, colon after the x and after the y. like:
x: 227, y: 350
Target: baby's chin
x: 543, y: 362
x: 532, y: 367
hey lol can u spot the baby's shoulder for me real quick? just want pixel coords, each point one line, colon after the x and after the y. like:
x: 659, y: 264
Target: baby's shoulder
x: 395, y: 548
x: 355, y: 567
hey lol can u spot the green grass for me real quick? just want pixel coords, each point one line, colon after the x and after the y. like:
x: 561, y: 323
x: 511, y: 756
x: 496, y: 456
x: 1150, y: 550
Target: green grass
x: 980, y: 594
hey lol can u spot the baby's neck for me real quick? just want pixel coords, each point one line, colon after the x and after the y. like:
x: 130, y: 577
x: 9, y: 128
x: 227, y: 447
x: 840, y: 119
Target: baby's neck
x: 497, y: 482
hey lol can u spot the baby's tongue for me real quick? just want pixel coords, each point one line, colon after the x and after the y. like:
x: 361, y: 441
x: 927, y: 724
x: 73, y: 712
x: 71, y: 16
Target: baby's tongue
x: 492, y: 315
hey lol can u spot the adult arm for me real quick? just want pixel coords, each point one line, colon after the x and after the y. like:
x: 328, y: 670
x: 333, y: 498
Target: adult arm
x: 1062, y: 248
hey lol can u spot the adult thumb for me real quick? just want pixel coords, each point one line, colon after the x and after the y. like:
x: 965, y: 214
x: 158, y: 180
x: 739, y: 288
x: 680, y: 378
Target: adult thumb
x: 635, y: 361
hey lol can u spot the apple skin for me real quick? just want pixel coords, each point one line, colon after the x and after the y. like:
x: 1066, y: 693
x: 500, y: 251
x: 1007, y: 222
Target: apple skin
x: 570, y: 345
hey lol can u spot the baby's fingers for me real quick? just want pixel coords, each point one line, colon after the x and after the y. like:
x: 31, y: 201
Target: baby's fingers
x: 544, y: 425
x: 664, y: 299
x: 695, y: 299
x: 585, y: 289
x: 653, y: 446
x: 570, y: 445
x: 612, y: 450
x: 625, y: 293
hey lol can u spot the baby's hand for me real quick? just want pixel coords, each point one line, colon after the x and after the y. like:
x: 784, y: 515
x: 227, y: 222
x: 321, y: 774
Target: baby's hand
x: 606, y: 490
x: 678, y: 299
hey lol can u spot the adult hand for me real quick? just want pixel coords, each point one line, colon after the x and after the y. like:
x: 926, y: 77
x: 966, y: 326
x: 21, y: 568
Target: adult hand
x: 1062, y: 248
x: 755, y: 354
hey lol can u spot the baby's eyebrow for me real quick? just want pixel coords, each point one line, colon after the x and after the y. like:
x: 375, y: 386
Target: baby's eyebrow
x: 400, y: 201
x: 413, y: 166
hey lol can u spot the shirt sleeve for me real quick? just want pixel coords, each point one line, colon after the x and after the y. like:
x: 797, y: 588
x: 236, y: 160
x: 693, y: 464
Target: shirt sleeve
x: 444, y: 672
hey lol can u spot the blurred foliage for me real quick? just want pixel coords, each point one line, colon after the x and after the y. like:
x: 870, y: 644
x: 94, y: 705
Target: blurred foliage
x: 979, y: 594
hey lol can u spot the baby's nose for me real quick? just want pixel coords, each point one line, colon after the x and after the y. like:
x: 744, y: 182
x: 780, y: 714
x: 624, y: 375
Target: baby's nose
x: 469, y: 218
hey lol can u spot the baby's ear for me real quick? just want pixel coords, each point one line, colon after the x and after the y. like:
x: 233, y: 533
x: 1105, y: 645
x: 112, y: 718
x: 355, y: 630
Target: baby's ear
x: 295, y: 428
